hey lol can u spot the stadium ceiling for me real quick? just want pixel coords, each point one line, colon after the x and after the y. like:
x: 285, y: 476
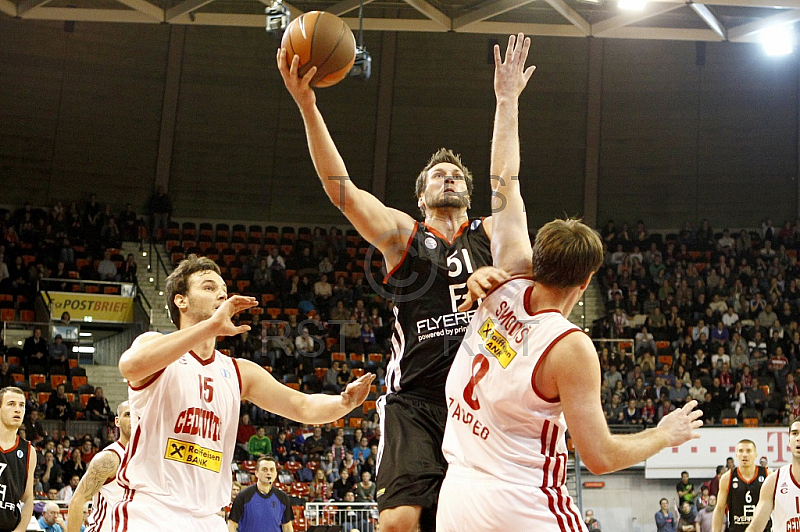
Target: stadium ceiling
x: 682, y: 20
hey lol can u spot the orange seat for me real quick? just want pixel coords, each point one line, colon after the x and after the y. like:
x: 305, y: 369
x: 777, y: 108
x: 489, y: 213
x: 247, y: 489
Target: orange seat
x: 750, y: 422
x: 37, y: 378
x: 18, y: 377
x: 338, y: 424
x: 55, y: 380
x: 249, y: 465
x: 355, y: 357
x: 355, y: 422
x: 14, y: 360
x: 43, y: 397
x: 8, y: 314
x: 377, y: 358
x: 79, y: 381
x: 368, y: 405
x: 729, y: 421
x: 293, y: 385
x: 85, y: 399
x: 73, y: 363
x: 357, y: 372
x: 338, y: 356
x: 320, y: 372
x: 27, y: 315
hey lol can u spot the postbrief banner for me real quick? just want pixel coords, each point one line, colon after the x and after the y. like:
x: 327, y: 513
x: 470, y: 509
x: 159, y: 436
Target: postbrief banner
x: 92, y: 307
x: 701, y: 456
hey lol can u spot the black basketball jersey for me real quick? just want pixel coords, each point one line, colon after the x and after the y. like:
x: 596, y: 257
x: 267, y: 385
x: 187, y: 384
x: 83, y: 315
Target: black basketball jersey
x: 13, y: 479
x: 743, y: 497
x: 427, y: 287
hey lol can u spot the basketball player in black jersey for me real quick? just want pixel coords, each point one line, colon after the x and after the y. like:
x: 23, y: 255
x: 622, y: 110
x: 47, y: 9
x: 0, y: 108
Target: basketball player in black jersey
x: 739, y: 490
x: 428, y: 265
x: 17, y: 463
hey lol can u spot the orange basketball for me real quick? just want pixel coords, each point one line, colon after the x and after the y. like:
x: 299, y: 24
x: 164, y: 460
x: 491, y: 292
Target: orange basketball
x: 322, y: 40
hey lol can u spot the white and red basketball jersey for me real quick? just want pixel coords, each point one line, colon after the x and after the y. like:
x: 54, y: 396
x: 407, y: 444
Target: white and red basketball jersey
x: 497, y: 422
x: 183, y: 433
x: 786, y: 510
x: 105, y: 499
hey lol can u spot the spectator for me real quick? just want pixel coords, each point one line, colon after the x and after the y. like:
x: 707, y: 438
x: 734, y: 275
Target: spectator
x: 160, y: 211
x: 106, y: 269
x: 343, y: 485
x: 51, y: 520
x: 319, y: 489
x: 665, y: 519
x: 362, y: 452
x: 129, y: 224
x: 97, y: 407
x: 259, y: 444
x: 58, y: 406
x: 685, y: 488
x: 686, y: 521
x: 592, y: 524
x: 74, y: 466
x: 35, y: 353
x: 59, y: 356
x: 365, y: 491
x: 66, y: 493
x: 129, y: 267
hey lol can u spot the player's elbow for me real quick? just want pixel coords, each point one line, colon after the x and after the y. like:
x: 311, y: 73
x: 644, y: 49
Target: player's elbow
x: 598, y: 462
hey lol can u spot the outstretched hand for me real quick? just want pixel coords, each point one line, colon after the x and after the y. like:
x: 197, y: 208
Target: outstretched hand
x: 480, y: 283
x: 232, y: 306
x: 510, y: 74
x: 357, y: 391
x: 298, y: 87
x: 681, y: 424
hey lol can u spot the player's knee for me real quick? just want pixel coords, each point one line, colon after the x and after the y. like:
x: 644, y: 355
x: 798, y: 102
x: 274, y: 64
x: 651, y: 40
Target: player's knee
x: 402, y: 519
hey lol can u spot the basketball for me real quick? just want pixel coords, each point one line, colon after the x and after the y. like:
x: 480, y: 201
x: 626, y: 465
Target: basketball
x: 322, y: 40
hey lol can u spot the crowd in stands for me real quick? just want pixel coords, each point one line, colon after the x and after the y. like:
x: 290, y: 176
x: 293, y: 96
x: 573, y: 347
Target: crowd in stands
x: 712, y: 316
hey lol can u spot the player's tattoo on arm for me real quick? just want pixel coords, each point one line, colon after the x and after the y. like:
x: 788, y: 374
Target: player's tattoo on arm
x: 103, y: 467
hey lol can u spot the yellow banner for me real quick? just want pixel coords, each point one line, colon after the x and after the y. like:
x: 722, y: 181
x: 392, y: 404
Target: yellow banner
x: 191, y: 453
x: 96, y: 307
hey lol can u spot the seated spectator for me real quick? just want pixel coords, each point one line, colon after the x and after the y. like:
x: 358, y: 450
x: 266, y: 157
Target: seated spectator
x: 88, y: 450
x: 259, y: 444
x: 697, y: 391
x: 631, y: 414
x: 365, y: 491
x: 320, y: 489
x: 58, y: 406
x: 59, y: 356
x: 614, y: 410
x: 35, y: 353
x: 106, y: 269
x: 343, y: 485
x: 330, y: 466
x: 644, y: 342
x: 129, y: 267
x: 330, y: 381
x: 756, y: 398
x: 362, y: 451
x: 97, y: 407
x: 51, y: 519
x: 316, y: 443
x: 74, y: 466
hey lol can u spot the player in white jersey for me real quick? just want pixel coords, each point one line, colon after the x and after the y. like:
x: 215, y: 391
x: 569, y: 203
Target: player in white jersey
x: 185, y: 397
x: 99, y: 483
x: 523, y: 371
x: 780, y: 493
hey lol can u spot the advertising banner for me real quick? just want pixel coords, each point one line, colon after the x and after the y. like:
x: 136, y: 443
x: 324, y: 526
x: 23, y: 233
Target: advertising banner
x: 92, y: 307
x: 701, y: 457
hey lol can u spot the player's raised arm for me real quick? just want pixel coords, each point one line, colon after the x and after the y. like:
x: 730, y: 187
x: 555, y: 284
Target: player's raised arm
x: 511, y: 248
x: 152, y: 351
x: 385, y: 228
x: 766, y: 503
